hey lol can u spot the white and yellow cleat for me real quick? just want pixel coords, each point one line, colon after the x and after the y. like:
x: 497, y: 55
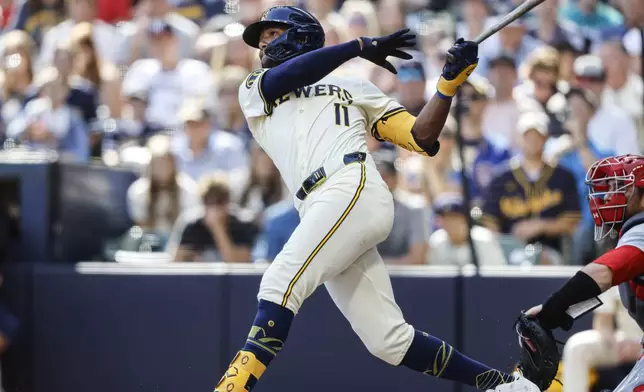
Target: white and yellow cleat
x: 520, y: 384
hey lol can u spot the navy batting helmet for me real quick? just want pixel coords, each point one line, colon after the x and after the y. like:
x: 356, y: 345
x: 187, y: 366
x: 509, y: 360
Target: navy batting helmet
x: 304, y: 33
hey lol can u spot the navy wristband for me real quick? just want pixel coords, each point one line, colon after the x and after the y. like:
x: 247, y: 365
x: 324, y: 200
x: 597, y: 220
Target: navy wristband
x: 441, y: 96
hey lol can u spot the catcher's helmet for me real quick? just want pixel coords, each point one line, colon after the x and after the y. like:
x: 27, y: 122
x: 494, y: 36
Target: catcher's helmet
x: 304, y: 33
x: 608, y: 181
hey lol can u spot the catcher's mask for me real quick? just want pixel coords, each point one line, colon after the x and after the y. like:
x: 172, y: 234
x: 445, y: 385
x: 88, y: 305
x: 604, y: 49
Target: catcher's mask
x: 304, y: 33
x: 609, y: 181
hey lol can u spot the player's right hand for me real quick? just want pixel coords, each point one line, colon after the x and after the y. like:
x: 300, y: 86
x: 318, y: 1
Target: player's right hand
x: 462, y: 59
x: 377, y: 49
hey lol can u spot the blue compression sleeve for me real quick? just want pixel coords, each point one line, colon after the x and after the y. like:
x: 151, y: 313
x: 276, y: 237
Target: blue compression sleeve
x: 306, y: 69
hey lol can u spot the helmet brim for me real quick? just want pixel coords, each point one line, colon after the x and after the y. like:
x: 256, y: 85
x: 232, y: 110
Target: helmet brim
x: 253, y: 30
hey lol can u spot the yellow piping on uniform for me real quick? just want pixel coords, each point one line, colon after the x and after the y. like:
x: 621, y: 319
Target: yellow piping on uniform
x: 326, y: 238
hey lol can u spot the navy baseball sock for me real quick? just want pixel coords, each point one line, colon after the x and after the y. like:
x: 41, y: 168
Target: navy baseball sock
x: 435, y: 357
x: 264, y: 342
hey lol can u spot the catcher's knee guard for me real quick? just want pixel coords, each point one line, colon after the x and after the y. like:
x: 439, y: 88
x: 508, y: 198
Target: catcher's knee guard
x: 242, y: 374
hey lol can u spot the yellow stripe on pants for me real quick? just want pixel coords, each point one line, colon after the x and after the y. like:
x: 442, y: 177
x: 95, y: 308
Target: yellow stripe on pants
x: 326, y: 238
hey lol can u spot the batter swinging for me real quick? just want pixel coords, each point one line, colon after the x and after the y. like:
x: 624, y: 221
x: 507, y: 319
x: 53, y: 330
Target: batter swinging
x: 312, y: 125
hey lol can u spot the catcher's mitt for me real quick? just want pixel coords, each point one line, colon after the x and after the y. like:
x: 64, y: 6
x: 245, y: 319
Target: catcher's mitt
x: 540, y: 355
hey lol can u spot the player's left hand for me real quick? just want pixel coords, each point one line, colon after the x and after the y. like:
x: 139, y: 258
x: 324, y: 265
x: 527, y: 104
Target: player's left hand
x: 462, y: 59
x: 533, y: 311
x: 377, y: 49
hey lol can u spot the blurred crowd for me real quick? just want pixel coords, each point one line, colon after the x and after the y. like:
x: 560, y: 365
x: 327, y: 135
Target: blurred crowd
x: 151, y: 85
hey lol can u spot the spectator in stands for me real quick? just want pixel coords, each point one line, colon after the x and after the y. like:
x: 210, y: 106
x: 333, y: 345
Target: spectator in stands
x: 167, y: 79
x: 541, y: 91
x: 449, y: 244
x: 49, y: 122
x: 214, y: 33
x: 568, y: 53
x: 611, y: 128
x: 322, y: 9
x: 624, y: 88
x: 198, y: 11
x: 441, y: 173
x: 633, y: 40
x: 475, y: 18
x: 334, y: 32
x: 280, y: 221
x: 391, y: 15
x: 513, y: 40
x: 362, y: 21
x: 90, y: 74
x: 80, y: 98
x: 411, y: 86
x: 17, y: 73
x: 230, y: 117
x: 549, y: 29
x: 264, y: 186
x: 200, y: 150
x: 156, y: 200
x: 482, y: 155
x: 36, y: 17
x: 149, y: 13
x: 407, y: 242
x: 93, y: 78
x: 576, y: 152
x: 231, y: 50
x: 591, y: 17
x: 216, y: 233
x: 105, y: 36
x: 500, y: 116
x: 133, y: 125
x: 534, y: 201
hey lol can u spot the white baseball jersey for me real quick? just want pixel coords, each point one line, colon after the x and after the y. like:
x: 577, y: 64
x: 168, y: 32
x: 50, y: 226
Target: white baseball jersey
x: 309, y: 126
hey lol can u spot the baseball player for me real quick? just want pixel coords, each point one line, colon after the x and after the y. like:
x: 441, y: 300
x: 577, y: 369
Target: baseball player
x: 313, y: 126
x: 616, y: 198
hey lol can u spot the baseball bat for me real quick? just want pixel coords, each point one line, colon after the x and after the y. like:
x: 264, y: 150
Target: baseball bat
x: 509, y: 18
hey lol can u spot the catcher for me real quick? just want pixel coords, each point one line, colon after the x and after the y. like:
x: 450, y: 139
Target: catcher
x: 616, y: 198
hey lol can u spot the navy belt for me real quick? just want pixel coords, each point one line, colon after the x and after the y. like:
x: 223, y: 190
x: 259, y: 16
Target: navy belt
x: 320, y: 175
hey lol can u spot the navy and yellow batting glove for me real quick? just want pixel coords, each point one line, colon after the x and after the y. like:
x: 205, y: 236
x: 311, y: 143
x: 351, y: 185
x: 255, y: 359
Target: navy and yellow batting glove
x: 462, y: 59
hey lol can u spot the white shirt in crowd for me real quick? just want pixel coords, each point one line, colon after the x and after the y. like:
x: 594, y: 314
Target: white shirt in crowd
x: 166, y: 90
x: 613, y: 131
x: 486, y: 243
x: 499, y: 122
x: 629, y: 97
x: 633, y: 42
x: 107, y: 38
x: 138, y: 199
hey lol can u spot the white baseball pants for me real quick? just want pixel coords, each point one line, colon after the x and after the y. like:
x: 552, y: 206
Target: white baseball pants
x: 342, y: 221
x: 584, y: 351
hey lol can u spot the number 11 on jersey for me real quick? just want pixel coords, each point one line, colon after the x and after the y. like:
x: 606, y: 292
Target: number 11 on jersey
x: 341, y: 113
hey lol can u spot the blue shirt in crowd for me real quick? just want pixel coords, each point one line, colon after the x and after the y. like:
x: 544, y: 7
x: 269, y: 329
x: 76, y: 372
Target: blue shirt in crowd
x: 225, y: 152
x: 280, y: 221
